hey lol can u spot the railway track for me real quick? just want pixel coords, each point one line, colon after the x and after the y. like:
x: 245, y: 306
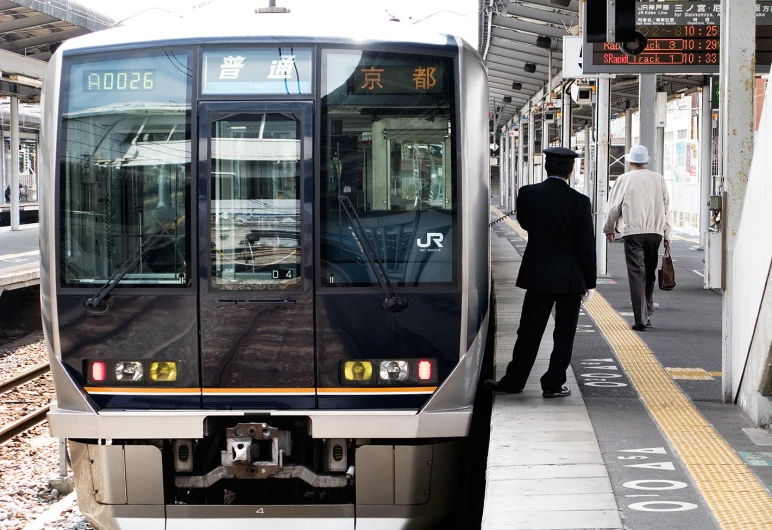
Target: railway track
x: 37, y: 416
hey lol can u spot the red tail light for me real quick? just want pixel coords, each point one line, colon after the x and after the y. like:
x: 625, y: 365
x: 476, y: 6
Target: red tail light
x: 98, y: 371
x: 424, y: 370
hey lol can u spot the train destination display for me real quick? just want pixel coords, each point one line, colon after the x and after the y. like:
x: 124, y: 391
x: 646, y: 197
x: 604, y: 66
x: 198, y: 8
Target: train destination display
x: 683, y: 37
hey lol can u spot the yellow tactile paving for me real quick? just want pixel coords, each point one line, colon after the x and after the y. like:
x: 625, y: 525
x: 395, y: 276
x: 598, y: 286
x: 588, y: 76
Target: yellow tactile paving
x: 732, y: 492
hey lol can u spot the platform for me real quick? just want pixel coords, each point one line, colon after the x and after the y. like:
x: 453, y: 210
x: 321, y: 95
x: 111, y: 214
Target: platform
x: 645, y: 440
x: 19, y: 257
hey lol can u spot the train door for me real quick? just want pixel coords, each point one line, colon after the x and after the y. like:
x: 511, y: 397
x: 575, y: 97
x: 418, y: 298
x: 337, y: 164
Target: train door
x: 256, y: 260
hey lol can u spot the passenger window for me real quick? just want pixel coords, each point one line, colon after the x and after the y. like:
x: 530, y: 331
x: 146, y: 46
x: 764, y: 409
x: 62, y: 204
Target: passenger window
x: 255, y: 206
x: 388, y: 180
x: 125, y: 170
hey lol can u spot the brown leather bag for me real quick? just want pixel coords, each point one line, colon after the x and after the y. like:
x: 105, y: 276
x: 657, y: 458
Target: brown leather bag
x: 666, y: 274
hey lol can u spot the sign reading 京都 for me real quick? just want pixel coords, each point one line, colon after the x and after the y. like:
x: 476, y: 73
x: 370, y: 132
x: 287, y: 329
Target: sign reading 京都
x: 683, y: 37
x: 398, y: 79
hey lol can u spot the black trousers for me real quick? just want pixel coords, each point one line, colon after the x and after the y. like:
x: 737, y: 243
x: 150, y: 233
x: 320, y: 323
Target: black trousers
x: 537, y: 307
x: 641, y: 256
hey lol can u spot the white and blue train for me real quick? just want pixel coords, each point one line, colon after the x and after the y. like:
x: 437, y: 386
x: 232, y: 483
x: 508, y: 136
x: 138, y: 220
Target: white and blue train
x: 265, y: 271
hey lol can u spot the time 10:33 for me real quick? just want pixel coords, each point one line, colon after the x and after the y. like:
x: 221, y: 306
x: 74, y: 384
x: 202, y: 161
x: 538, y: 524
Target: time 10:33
x: 118, y: 80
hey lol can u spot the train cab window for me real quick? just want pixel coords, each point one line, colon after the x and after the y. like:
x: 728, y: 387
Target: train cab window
x: 124, y: 167
x: 388, y: 177
x: 255, y: 203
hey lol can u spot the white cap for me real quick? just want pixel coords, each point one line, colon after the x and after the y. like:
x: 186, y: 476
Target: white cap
x: 638, y: 155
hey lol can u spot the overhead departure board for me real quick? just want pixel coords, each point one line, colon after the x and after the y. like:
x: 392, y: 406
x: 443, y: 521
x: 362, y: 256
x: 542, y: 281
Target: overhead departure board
x: 683, y: 37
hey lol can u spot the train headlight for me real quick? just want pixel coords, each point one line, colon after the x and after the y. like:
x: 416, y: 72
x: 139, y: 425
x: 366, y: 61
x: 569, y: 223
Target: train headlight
x: 165, y: 371
x: 129, y: 371
x: 358, y: 370
x: 394, y: 370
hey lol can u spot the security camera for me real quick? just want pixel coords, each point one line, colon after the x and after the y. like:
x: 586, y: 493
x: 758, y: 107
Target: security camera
x: 634, y: 47
x: 581, y: 94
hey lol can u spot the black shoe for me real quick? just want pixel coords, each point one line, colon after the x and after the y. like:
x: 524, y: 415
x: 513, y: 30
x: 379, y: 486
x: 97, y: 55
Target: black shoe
x: 493, y: 386
x: 648, y: 323
x: 639, y: 327
x: 563, y: 392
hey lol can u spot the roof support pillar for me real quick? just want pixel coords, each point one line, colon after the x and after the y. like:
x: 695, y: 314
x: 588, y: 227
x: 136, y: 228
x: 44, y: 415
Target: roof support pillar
x: 567, y: 120
x: 647, y: 104
x: 520, y: 154
x: 14, y: 164
x: 512, y: 168
x: 706, y: 160
x: 531, y: 146
x: 545, y: 141
x: 628, y: 135
x: 588, y: 158
x: 501, y: 139
x: 601, y: 187
x: 738, y: 30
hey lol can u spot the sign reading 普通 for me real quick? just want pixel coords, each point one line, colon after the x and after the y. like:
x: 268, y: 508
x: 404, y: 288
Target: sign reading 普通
x: 257, y: 71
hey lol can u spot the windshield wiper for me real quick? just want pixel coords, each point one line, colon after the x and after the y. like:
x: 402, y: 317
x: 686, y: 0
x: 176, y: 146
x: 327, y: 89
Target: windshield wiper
x: 393, y: 302
x: 152, y: 242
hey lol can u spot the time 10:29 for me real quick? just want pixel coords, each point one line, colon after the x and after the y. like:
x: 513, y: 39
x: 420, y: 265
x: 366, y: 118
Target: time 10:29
x: 118, y: 80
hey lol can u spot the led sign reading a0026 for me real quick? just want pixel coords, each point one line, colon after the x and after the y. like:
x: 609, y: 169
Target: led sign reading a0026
x: 118, y: 80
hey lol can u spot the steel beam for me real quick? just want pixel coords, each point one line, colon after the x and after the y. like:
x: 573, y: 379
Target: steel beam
x: 521, y: 25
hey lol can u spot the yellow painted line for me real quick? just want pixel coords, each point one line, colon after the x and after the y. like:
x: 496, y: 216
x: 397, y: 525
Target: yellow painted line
x: 716, y: 374
x: 258, y: 391
x: 694, y: 374
x: 511, y: 223
x: 732, y: 492
x: 681, y: 238
x: 379, y: 391
x: 140, y: 390
x: 20, y: 255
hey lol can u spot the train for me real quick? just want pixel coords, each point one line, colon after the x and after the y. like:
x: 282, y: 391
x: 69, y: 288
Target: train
x: 265, y: 270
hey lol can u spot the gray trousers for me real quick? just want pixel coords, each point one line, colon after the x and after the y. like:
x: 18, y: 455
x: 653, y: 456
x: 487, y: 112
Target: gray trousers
x: 641, y: 256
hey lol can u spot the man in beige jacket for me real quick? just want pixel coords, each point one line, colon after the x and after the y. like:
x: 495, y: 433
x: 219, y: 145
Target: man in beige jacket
x: 640, y: 199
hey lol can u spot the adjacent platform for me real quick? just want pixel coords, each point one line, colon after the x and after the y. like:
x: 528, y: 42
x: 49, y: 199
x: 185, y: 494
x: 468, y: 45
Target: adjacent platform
x: 19, y: 257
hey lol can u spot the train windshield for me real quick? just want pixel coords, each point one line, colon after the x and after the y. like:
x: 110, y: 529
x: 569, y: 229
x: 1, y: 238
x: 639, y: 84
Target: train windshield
x: 125, y: 165
x: 387, y: 122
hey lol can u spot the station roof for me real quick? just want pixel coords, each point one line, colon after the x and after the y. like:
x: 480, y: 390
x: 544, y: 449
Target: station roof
x: 514, y: 33
x: 30, y: 30
x: 519, y: 33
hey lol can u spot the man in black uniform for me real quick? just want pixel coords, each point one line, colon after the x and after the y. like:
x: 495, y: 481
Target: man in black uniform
x: 558, y: 269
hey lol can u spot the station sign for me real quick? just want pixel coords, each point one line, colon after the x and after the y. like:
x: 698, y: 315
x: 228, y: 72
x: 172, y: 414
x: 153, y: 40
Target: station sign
x: 257, y: 71
x: 683, y: 38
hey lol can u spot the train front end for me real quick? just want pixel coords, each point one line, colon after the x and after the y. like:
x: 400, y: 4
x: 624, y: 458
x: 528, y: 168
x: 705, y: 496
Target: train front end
x: 264, y: 276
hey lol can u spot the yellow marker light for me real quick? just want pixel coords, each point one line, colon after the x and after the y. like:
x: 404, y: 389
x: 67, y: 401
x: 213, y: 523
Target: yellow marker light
x: 163, y: 371
x: 358, y: 370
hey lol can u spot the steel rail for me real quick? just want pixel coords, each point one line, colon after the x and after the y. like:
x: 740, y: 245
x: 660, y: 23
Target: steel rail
x: 22, y: 424
x: 24, y: 377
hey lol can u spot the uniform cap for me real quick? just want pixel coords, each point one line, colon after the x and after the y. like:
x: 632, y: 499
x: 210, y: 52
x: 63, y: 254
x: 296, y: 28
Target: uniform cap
x: 560, y: 155
x: 638, y: 155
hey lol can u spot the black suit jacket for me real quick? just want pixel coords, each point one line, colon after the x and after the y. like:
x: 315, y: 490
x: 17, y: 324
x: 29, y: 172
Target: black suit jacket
x: 560, y: 255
